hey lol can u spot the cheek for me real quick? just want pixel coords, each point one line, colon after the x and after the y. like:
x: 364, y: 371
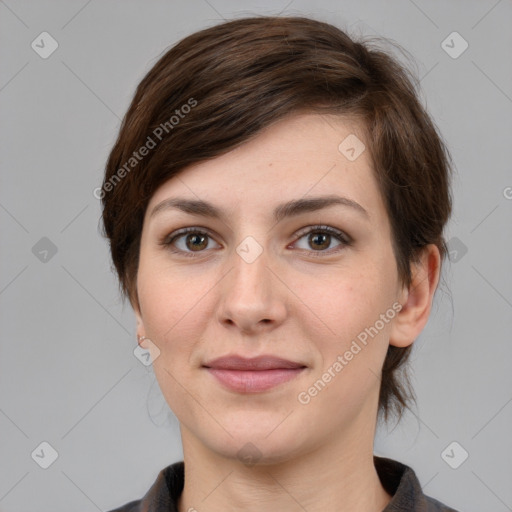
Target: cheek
x: 357, y: 308
x: 348, y: 301
x: 172, y: 313
x: 350, y: 361
x: 171, y: 299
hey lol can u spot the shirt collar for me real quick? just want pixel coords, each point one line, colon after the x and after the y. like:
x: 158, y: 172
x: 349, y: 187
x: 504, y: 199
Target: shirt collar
x: 398, y: 479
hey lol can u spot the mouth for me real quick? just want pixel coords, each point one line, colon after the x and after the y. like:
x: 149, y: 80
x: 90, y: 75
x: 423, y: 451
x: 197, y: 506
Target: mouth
x: 253, y: 375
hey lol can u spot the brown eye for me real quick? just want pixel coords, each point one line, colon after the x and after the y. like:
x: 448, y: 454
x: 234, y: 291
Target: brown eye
x: 319, y: 240
x: 196, y: 242
x: 188, y: 241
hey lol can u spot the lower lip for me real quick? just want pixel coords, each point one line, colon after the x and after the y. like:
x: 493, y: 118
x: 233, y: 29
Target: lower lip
x: 246, y: 381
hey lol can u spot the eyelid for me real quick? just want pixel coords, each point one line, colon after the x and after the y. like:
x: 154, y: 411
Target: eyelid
x: 168, y: 240
x: 344, y: 239
x: 183, y: 231
x: 326, y: 229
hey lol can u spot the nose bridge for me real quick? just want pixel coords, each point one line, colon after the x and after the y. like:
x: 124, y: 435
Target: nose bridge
x: 250, y: 274
x: 250, y: 296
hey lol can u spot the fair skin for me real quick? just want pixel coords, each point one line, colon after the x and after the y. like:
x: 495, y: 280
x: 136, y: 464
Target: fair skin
x: 304, y: 298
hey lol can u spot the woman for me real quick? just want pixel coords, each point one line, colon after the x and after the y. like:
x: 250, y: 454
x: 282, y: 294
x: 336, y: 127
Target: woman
x: 275, y: 205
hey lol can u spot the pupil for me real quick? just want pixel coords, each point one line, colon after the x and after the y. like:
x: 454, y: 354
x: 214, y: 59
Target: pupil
x: 197, y: 241
x: 318, y: 237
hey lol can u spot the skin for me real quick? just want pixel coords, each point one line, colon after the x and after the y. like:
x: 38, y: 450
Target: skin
x: 301, y: 299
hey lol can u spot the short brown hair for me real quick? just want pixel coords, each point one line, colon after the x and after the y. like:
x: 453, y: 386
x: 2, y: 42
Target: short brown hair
x: 237, y: 78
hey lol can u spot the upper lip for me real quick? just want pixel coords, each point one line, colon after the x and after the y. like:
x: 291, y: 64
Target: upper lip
x: 235, y: 362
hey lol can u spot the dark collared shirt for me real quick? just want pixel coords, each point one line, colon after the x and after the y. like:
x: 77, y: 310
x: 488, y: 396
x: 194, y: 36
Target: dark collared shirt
x: 399, y: 481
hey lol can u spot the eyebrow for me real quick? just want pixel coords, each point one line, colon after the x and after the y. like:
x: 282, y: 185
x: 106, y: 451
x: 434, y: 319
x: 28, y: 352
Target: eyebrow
x: 288, y: 209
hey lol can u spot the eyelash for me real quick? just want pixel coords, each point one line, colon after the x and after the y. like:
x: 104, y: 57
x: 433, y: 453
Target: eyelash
x: 345, y: 240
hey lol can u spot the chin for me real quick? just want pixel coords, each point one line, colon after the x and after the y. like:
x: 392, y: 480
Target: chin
x: 251, y: 452
x: 257, y: 440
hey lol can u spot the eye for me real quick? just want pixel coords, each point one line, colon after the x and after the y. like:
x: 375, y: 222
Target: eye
x: 188, y: 241
x: 193, y: 241
x: 320, y: 238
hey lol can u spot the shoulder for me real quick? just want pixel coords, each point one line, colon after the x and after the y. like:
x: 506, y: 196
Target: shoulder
x: 133, y: 506
x: 402, y: 484
x: 436, y: 506
x: 162, y: 495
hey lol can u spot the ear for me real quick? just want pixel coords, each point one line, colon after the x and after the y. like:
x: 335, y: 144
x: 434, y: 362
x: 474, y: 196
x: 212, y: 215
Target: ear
x: 417, y: 299
x: 140, y: 329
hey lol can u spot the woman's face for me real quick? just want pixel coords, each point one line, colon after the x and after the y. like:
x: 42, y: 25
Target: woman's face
x: 315, y: 285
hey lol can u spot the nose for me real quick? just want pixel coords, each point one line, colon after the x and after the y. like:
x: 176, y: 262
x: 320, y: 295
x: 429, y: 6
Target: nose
x: 252, y: 298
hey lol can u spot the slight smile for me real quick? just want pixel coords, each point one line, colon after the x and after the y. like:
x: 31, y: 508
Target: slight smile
x: 253, y: 375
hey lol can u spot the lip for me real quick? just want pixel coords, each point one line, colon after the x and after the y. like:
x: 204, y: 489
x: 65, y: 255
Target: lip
x: 253, y: 375
x: 265, y: 362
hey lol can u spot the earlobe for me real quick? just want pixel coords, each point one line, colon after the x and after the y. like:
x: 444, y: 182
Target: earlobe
x: 417, y: 299
x: 140, y: 329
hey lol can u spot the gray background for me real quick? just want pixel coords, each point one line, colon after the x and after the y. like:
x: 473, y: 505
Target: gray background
x: 68, y: 375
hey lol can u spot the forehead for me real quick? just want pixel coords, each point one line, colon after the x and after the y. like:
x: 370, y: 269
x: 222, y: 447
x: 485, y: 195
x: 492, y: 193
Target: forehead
x: 300, y: 156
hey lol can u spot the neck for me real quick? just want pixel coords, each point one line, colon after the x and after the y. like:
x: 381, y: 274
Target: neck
x: 333, y: 477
